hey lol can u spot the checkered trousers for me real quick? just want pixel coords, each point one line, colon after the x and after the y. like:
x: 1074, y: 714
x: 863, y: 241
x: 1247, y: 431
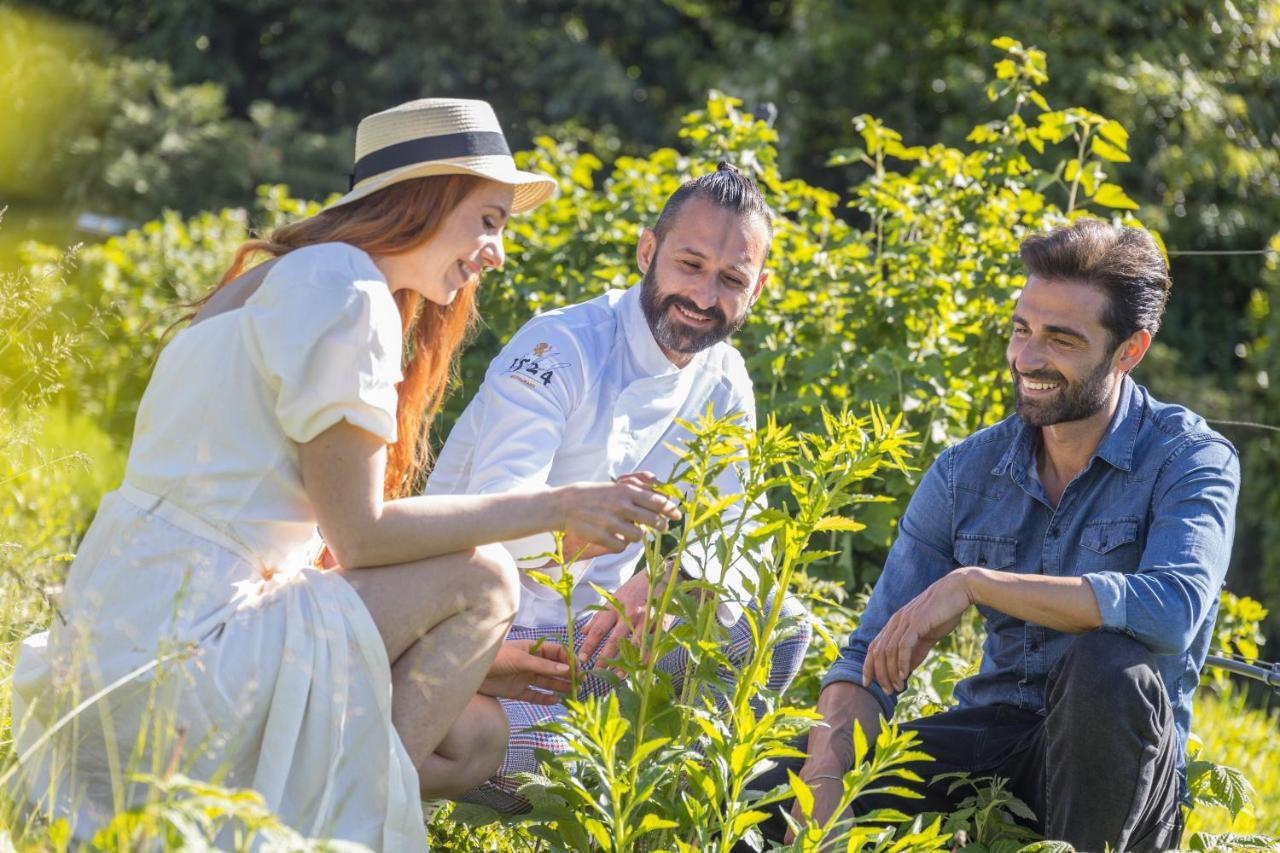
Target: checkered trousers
x: 499, y: 792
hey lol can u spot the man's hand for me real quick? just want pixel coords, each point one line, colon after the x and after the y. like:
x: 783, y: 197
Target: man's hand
x: 608, y: 627
x: 522, y: 665
x: 830, y: 746
x: 909, y: 634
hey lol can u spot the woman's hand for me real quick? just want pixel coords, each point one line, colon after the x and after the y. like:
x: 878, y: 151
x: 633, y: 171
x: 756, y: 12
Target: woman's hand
x: 522, y: 665
x: 604, y: 518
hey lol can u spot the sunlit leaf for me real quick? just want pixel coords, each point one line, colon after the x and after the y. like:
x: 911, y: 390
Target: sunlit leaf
x: 1111, y: 195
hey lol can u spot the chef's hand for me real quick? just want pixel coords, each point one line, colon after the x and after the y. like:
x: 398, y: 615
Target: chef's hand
x: 608, y: 627
x: 522, y: 665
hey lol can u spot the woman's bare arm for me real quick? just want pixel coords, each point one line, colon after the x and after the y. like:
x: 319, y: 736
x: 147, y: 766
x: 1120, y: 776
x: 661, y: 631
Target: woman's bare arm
x: 342, y: 472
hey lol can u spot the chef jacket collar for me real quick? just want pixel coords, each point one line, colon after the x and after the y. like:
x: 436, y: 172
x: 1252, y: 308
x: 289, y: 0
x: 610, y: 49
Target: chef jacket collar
x: 644, y: 347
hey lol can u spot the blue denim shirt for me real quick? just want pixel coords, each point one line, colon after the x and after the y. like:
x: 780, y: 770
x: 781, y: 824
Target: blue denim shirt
x: 1148, y: 523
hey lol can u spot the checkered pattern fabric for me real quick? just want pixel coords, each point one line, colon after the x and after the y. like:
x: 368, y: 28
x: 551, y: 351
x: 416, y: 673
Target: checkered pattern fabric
x: 525, y: 718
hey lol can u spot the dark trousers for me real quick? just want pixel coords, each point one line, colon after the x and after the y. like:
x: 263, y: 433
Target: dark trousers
x: 1097, y: 765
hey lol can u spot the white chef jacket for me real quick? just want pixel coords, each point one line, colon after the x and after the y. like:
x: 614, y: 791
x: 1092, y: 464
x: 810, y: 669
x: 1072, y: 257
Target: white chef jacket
x: 584, y: 393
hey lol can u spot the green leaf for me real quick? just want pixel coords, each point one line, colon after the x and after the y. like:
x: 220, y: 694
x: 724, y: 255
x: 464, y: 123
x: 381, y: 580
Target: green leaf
x: 714, y: 509
x: 804, y: 796
x: 1021, y: 809
x: 648, y: 747
x: 1115, y: 133
x: 748, y: 819
x: 844, y: 156
x: 859, y: 744
x: 1211, y: 843
x: 1111, y: 195
x: 652, y: 823
x: 59, y: 834
x: 599, y: 833
x: 1107, y: 151
x: 838, y: 522
x: 1230, y: 788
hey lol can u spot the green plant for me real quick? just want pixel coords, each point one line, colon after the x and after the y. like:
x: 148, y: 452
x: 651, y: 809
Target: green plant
x: 869, y: 773
x: 186, y: 814
x: 1231, y: 841
x: 656, y: 764
x: 988, y: 819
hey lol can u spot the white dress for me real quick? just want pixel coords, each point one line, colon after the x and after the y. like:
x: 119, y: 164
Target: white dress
x: 272, y: 674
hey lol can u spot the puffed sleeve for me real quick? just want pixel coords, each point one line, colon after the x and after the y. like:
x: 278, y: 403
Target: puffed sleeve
x: 325, y: 333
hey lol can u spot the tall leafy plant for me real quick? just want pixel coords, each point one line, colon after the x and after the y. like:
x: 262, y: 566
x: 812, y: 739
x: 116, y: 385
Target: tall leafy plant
x: 658, y: 764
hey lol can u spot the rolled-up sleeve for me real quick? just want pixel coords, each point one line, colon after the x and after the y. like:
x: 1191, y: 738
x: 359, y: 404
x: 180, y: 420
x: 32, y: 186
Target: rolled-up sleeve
x: 920, y: 555
x: 1180, y: 573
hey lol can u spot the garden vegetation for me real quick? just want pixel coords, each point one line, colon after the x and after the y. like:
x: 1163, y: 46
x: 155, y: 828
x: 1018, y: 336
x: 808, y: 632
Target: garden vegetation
x: 879, y: 341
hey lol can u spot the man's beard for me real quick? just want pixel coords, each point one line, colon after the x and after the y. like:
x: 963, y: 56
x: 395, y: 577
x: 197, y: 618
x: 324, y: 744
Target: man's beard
x: 1073, y: 401
x: 673, y: 334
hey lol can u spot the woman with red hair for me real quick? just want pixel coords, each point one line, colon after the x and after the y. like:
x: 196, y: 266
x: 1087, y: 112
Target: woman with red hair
x: 196, y: 632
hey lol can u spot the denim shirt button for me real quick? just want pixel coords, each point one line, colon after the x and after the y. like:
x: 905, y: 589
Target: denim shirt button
x: 1053, y: 531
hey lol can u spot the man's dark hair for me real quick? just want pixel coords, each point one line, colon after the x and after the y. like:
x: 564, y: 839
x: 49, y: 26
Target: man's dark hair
x: 1125, y: 263
x: 725, y: 187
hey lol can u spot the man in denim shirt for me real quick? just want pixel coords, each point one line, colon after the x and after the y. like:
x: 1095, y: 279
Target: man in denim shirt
x: 1092, y: 530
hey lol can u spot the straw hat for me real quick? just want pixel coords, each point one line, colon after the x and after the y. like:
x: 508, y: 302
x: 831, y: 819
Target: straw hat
x: 439, y: 136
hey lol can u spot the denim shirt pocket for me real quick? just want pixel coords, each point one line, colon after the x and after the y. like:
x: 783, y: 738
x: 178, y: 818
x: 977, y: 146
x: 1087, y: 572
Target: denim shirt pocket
x: 1110, y: 545
x: 988, y: 552
x: 999, y: 553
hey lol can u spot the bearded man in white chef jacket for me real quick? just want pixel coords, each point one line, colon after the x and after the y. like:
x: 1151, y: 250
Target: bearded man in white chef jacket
x: 592, y: 392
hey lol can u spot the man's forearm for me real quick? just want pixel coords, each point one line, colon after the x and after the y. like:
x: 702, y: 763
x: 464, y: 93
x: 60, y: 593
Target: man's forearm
x: 831, y: 743
x: 1062, y: 604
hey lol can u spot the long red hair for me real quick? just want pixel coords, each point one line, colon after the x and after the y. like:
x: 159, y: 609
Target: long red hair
x: 391, y: 220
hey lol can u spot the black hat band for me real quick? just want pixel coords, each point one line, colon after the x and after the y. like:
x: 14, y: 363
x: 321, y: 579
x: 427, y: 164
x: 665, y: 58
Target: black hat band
x: 415, y: 151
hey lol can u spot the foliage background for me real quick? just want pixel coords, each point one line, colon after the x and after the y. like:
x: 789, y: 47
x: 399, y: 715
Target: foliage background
x: 893, y: 263
x: 191, y: 106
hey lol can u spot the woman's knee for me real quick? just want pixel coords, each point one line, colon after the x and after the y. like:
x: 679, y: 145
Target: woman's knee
x: 800, y: 631
x: 792, y: 643
x: 495, y: 581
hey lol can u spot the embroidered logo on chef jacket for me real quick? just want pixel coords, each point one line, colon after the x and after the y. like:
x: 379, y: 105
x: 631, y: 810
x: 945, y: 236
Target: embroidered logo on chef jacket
x: 537, y: 367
